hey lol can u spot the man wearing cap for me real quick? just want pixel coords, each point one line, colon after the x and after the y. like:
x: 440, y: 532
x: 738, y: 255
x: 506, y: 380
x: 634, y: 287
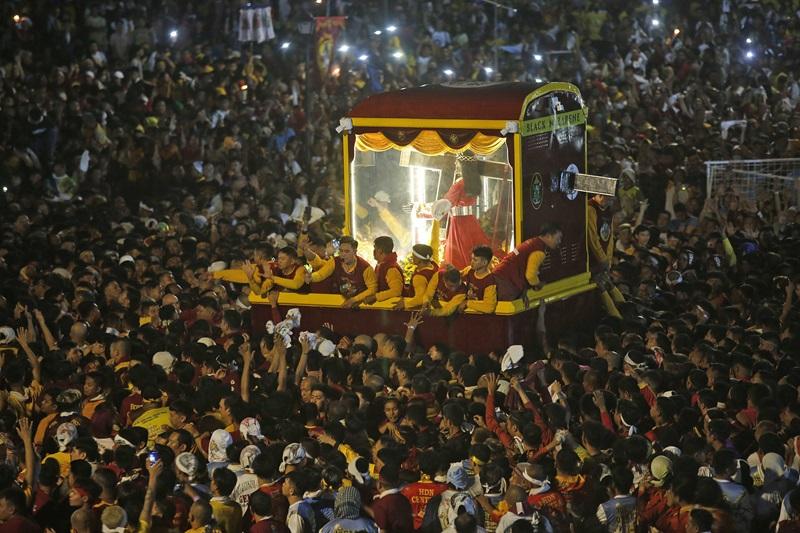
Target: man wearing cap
x: 294, y: 456
x: 446, y: 507
x: 423, y: 281
x: 352, y: 276
x: 653, y: 501
x: 387, y: 271
x: 347, y: 513
x: 246, y: 480
x: 519, y: 270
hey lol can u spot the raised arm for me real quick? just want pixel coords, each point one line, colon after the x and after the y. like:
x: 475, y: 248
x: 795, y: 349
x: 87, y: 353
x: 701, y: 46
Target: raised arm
x: 25, y: 432
x: 24, y: 336
x: 247, y: 360
x: 283, y: 370
x: 49, y: 339
x: 146, y: 516
x: 301, y: 365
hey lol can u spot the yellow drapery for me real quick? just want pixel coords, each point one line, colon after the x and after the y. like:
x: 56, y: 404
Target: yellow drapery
x: 429, y: 142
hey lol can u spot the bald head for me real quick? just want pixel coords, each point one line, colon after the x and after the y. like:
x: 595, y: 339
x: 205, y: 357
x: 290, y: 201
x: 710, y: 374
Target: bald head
x: 82, y: 521
x: 77, y: 333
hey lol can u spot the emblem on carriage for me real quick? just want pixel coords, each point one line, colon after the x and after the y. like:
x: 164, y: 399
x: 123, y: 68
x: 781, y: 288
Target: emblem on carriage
x: 537, y: 192
x: 570, y: 192
x: 605, y: 231
x: 453, y: 138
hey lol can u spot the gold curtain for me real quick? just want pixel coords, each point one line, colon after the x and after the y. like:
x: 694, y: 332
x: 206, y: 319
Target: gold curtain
x: 429, y: 142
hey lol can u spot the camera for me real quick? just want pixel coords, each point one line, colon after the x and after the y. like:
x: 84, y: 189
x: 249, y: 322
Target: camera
x: 153, y: 457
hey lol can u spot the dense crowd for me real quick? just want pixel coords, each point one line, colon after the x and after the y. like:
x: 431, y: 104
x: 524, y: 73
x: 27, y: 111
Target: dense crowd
x: 143, y: 149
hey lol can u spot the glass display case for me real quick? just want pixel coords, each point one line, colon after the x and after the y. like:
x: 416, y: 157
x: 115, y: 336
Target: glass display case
x: 451, y: 202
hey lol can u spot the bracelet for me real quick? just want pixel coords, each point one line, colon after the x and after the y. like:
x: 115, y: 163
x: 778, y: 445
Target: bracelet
x: 411, y: 327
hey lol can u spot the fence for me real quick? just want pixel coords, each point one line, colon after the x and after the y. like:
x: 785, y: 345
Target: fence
x: 752, y: 178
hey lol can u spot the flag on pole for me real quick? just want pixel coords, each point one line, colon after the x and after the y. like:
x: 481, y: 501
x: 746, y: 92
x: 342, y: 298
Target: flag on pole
x: 327, y: 32
x: 255, y: 24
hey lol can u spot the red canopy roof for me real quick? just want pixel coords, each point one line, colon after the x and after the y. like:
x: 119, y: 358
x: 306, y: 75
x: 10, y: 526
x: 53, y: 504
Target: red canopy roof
x: 480, y: 101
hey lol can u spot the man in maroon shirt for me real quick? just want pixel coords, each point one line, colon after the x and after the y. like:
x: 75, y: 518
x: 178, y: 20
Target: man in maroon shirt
x: 390, y: 509
x: 12, y: 505
x: 421, y: 492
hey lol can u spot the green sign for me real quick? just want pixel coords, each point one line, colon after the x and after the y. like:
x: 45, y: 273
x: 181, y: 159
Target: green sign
x: 545, y: 124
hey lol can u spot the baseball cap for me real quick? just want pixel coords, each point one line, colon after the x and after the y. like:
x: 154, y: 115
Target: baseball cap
x: 248, y: 455
x: 293, y: 454
x: 187, y: 463
x: 661, y: 468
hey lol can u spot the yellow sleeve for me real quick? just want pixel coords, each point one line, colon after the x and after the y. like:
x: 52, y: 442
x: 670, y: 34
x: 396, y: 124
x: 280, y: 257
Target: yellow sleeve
x: 532, y: 268
x: 324, y: 269
x: 421, y: 287
x: 372, y: 285
x: 316, y: 262
x: 395, y: 281
x: 260, y: 288
x: 594, y: 239
x: 489, y: 302
x: 293, y: 283
x: 730, y: 255
x: 448, y: 308
x: 233, y: 275
x: 430, y: 290
x: 349, y: 453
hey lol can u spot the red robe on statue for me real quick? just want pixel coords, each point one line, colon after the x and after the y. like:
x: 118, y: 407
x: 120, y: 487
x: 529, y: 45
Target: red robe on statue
x: 464, y: 232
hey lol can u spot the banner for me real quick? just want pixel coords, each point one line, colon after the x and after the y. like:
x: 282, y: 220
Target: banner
x: 553, y: 146
x: 326, y: 34
x: 255, y: 24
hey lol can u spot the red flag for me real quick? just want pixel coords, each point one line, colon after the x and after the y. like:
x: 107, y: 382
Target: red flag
x: 327, y: 32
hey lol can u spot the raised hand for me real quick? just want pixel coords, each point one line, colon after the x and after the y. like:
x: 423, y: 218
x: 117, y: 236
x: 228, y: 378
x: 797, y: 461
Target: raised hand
x: 414, y: 320
x: 25, y: 429
x: 491, y: 382
x: 249, y: 269
x: 24, y: 336
x: 246, y: 352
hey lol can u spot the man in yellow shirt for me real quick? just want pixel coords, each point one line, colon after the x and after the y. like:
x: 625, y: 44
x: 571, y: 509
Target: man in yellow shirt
x: 285, y: 274
x: 426, y: 275
x: 388, y: 273
x: 346, y: 274
x: 227, y: 513
x: 600, y: 232
x: 152, y: 416
x: 519, y: 270
x: 446, y: 297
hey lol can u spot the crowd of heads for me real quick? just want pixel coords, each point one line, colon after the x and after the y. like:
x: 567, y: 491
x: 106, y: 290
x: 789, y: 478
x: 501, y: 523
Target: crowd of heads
x: 142, y: 148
